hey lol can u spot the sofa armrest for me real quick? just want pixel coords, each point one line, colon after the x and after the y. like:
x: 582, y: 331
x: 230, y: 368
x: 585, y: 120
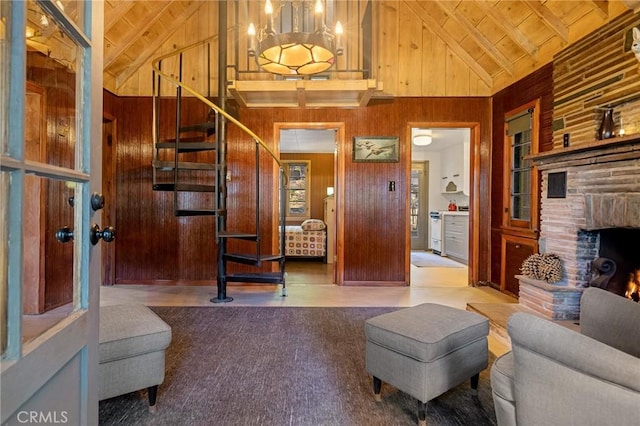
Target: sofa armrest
x: 582, y: 354
x: 611, y: 319
x: 564, y: 377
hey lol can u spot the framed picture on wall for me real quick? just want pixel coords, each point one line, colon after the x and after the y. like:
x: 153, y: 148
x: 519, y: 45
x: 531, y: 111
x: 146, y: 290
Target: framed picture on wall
x: 376, y: 149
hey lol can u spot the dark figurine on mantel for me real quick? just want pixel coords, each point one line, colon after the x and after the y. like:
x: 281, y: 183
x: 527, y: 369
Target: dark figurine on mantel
x: 605, y: 131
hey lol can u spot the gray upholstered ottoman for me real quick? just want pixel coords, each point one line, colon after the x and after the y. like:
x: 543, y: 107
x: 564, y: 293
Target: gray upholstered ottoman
x: 426, y: 350
x: 132, y: 344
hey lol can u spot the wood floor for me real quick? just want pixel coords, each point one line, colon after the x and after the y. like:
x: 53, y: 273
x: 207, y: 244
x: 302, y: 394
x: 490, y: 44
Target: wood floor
x: 309, y: 284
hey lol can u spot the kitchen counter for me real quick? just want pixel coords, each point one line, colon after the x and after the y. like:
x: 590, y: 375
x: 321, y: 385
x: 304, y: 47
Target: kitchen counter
x: 456, y: 213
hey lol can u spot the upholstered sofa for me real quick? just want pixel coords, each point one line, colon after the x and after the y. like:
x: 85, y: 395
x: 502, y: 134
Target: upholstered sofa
x: 557, y: 376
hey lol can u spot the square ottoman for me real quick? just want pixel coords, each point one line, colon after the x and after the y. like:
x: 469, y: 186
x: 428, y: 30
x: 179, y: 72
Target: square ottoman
x: 426, y: 350
x: 133, y: 340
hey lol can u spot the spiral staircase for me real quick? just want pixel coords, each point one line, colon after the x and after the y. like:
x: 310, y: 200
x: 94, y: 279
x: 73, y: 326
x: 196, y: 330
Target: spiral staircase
x: 191, y: 164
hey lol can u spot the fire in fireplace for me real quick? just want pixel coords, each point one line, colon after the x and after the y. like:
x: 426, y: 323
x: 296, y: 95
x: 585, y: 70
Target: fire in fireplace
x: 618, y: 266
x: 633, y: 286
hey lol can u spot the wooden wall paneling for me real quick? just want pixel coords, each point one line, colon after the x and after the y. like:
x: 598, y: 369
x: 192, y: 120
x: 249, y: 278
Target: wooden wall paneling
x: 457, y: 76
x: 599, y: 71
x: 387, y: 66
x: 433, y: 70
x: 34, y: 278
x: 58, y: 289
x: 59, y: 86
x: 153, y: 245
x: 109, y: 144
x: 409, y: 54
x: 374, y: 222
x: 537, y: 85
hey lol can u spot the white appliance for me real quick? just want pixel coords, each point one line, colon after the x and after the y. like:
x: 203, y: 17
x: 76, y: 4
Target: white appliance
x: 436, y: 232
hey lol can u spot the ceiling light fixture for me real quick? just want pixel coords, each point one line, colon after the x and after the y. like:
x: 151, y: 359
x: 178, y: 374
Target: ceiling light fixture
x: 422, y: 140
x: 305, y: 45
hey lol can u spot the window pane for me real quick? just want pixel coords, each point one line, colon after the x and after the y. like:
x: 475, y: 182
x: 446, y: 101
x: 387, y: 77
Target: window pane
x: 52, y: 63
x: 4, y: 250
x: 5, y: 22
x: 521, y: 175
x: 72, y: 9
x: 522, y: 182
x: 520, y: 208
x: 298, y: 190
x: 47, y: 284
x: 415, y: 201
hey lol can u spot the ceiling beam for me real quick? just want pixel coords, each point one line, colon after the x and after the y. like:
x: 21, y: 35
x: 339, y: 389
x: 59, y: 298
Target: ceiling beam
x: 112, y: 16
x: 145, y: 55
x: 485, y: 44
x: 134, y: 34
x: 601, y: 7
x: 548, y: 17
x: 450, y: 41
x: 303, y: 93
x: 513, y: 32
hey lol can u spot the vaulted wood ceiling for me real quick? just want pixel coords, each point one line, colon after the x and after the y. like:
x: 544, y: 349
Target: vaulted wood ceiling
x: 496, y: 42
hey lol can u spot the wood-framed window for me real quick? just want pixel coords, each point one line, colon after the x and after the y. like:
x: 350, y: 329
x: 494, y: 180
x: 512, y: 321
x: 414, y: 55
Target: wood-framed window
x: 298, y: 191
x: 521, y: 178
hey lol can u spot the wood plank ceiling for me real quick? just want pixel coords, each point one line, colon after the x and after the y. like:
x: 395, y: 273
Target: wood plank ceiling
x: 498, y: 41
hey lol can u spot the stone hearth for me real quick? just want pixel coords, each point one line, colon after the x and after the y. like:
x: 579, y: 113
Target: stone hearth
x: 601, y: 190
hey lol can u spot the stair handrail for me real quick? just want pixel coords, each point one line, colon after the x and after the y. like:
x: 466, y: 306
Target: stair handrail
x: 195, y: 93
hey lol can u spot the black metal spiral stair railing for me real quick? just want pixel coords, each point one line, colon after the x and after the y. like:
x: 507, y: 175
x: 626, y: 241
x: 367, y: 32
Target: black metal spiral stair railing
x: 192, y: 165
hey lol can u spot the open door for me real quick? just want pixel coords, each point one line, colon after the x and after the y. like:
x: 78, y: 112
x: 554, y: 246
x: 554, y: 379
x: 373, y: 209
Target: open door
x: 317, y: 146
x: 49, y: 361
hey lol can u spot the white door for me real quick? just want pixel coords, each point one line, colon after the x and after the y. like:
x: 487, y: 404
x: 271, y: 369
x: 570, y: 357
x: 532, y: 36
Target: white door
x: 50, y: 143
x: 418, y: 219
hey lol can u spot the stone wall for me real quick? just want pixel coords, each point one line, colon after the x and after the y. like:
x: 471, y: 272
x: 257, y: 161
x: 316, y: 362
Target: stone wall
x: 598, y: 196
x: 602, y: 191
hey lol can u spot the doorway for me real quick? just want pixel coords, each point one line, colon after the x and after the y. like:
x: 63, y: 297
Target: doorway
x: 419, y: 196
x: 444, y: 154
x: 314, y: 146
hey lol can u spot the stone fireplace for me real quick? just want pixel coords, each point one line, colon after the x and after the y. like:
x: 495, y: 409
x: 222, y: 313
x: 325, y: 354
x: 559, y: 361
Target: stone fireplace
x: 590, y: 194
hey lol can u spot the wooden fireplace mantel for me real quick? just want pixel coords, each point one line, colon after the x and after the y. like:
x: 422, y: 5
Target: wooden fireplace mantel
x: 596, y: 152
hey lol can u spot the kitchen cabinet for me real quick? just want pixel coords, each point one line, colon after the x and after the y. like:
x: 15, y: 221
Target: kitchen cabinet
x: 455, y: 236
x: 455, y: 169
x: 515, y: 249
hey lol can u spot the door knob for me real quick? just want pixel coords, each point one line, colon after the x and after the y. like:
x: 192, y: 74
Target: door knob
x: 97, y: 201
x: 108, y: 234
x: 64, y: 234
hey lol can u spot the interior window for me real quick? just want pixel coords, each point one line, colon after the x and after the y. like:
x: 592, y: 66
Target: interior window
x: 521, y: 140
x: 298, y: 190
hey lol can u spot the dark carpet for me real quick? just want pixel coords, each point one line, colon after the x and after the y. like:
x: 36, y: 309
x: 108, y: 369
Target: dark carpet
x: 281, y: 366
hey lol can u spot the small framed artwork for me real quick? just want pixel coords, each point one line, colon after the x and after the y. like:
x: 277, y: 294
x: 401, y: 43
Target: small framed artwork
x: 375, y: 149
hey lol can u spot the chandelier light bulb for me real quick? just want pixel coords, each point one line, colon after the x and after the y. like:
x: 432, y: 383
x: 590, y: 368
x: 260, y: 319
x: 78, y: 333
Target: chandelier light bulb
x: 339, y: 30
x: 309, y: 47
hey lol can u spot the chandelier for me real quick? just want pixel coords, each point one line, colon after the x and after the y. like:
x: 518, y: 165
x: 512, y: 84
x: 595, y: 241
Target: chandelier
x: 302, y: 44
